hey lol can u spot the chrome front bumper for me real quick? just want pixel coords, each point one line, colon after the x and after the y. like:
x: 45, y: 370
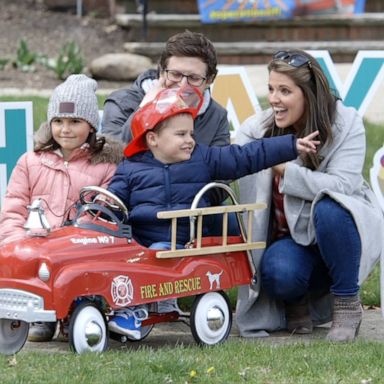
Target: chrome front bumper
x: 16, y: 304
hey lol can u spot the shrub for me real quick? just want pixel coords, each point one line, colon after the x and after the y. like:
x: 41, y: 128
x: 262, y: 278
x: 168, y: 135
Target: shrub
x: 69, y: 60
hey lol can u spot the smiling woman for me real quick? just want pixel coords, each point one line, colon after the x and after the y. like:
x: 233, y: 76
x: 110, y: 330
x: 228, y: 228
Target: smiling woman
x: 325, y: 224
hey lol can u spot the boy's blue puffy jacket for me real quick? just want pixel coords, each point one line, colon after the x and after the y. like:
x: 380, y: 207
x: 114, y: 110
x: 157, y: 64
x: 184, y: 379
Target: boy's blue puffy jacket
x: 148, y: 186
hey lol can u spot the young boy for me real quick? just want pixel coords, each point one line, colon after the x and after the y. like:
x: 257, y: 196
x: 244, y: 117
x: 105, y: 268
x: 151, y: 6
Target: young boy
x: 164, y: 168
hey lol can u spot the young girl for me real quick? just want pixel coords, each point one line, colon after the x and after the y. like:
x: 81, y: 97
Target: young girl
x: 67, y: 156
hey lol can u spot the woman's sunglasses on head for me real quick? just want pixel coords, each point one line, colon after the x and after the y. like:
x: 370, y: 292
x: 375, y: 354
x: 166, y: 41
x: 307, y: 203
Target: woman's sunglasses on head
x: 294, y: 59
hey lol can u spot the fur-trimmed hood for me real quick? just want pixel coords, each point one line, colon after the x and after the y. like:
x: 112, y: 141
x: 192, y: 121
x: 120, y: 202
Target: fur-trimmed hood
x: 112, y: 151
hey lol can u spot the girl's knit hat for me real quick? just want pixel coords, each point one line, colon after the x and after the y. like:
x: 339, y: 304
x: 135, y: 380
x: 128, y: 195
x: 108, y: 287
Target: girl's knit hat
x: 75, y: 98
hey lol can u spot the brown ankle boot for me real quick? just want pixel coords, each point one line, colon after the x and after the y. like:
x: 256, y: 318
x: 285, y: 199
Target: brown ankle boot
x: 298, y: 317
x: 347, y: 316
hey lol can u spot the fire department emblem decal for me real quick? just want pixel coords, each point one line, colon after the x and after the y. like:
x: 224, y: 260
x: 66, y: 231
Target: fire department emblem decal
x: 122, y: 290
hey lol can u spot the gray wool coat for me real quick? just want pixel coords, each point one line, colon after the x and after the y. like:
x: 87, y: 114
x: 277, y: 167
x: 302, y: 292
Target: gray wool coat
x: 340, y: 177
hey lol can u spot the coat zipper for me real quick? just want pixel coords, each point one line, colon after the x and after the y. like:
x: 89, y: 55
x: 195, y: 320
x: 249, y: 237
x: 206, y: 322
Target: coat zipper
x: 167, y: 185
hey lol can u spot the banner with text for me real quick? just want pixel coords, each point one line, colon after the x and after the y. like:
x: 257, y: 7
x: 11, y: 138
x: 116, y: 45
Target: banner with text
x: 226, y: 11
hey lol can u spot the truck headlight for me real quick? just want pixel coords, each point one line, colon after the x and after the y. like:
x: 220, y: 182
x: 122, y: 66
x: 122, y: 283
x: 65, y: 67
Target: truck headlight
x: 44, y: 273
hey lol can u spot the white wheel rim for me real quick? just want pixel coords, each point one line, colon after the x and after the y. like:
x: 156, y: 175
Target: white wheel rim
x: 89, y: 331
x: 212, y: 318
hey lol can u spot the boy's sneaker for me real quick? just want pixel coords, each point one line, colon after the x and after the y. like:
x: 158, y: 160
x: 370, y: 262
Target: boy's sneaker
x: 128, y: 322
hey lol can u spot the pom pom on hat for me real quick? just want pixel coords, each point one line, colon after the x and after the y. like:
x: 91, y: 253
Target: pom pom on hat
x: 75, y: 98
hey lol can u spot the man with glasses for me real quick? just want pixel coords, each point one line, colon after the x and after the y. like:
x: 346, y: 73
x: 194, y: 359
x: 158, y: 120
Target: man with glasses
x: 188, y: 57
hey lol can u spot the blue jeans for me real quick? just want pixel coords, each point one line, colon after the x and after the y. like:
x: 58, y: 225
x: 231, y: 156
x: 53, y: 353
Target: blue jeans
x: 163, y: 245
x: 289, y: 270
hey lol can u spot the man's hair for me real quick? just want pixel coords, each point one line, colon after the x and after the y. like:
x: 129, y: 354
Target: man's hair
x: 191, y: 44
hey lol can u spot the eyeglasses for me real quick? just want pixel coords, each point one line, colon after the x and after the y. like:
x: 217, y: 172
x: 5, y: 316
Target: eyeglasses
x: 176, y: 76
x: 295, y: 59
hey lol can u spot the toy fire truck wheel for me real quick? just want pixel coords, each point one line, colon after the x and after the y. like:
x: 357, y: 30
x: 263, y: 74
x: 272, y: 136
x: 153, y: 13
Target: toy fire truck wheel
x: 88, y: 329
x: 13, y: 335
x: 211, y: 318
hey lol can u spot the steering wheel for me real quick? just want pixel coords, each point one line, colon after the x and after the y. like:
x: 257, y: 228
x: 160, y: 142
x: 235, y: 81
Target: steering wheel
x: 97, y: 195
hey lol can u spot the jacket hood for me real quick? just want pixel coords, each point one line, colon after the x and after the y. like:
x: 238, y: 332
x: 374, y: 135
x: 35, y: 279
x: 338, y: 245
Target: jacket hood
x: 112, y: 151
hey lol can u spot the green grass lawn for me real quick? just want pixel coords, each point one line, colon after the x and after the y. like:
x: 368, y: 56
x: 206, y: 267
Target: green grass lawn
x: 236, y: 361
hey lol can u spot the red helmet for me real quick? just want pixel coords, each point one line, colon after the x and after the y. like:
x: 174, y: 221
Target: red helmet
x: 167, y: 103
